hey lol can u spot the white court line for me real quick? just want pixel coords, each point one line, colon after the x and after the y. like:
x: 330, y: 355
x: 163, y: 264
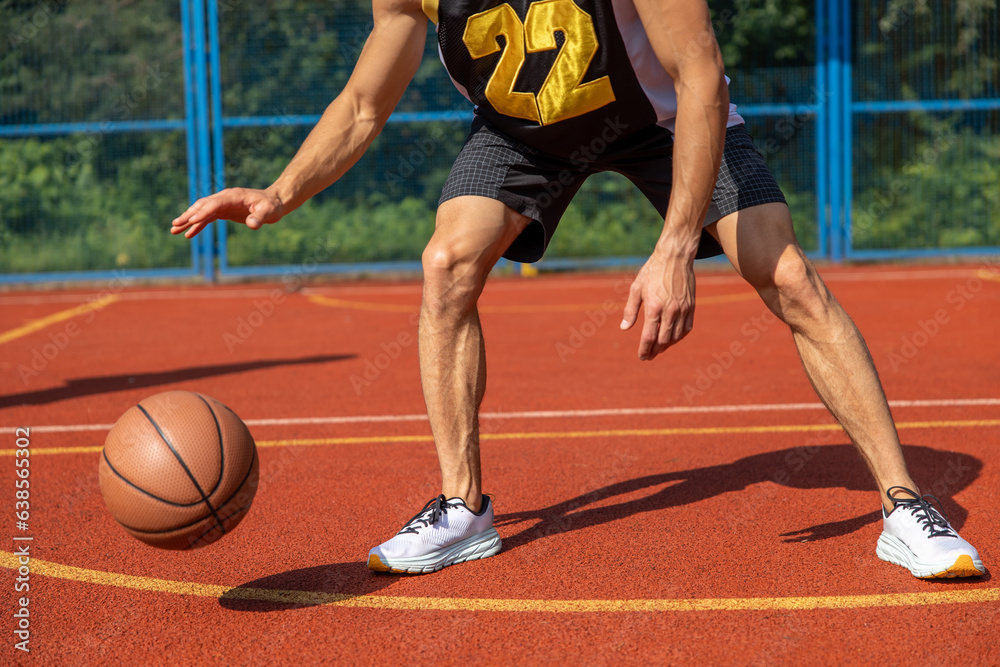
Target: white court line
x: 495, y: 285
x: 549, y: 414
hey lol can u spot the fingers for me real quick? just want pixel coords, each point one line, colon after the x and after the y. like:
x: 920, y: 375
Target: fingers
x: 260, y: 214
x: 191, y: 226
x: 681, y: 322
x: 632, y: 306
x: 657, y: 330
x: 251, y: 207
x: 665, y: 326
x: 688, y: 322
x: 668, y: 314
x: 196, y: 218
x: 229, y: 204
x: 649, y: 342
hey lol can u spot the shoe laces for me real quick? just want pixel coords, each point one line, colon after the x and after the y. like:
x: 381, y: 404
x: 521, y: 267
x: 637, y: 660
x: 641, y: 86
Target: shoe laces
x: 428, y: 516
x: 930, y: 518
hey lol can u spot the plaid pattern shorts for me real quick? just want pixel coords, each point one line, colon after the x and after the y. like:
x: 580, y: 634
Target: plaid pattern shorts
x: 541, y: 186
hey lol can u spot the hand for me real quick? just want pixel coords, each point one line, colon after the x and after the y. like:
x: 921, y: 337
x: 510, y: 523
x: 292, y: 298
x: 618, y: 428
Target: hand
x: 254, y: 208
x: 665, y: 285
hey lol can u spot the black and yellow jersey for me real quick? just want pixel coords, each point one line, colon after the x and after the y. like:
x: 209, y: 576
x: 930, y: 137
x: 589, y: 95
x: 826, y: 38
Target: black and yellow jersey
x: 553, y: 74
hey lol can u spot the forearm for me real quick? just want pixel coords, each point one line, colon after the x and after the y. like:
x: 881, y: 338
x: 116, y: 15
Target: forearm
x: 340, y: 138
x: 699, y: 137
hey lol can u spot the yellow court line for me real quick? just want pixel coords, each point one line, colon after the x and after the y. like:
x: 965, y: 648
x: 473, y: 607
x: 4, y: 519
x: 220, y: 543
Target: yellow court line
x: 617, y: 433
x: 559, y: 435
x: 725, y: 298
x: 43, y: 322
x: 525, y: 308
x: 362, y: 305
x: 150, y: 584
x: 55, y: 450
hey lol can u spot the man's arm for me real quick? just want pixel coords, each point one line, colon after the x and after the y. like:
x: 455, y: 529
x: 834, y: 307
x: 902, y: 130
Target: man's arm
x: 347, y: 128
x: 680, y: 32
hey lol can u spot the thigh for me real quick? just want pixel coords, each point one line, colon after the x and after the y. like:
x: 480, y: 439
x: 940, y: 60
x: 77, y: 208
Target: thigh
x: 756, y: 240
x: 744, y: 181
x: 474, y: 230
x: 539, y: 187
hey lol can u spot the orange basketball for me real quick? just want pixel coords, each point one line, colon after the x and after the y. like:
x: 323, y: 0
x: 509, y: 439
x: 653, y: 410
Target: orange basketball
x: 179, y: 470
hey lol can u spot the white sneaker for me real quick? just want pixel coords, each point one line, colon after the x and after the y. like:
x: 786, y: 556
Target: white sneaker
x: 917, y: 536
x: 443, y: 533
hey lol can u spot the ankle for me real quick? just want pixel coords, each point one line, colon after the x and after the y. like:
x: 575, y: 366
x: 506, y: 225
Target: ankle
x: 473, y: 499
x: 893, y: 492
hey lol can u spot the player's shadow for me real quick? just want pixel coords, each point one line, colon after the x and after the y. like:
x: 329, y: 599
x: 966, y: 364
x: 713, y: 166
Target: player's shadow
x: 111, y: 383
x: 306, y: 587
x: 940, y: 473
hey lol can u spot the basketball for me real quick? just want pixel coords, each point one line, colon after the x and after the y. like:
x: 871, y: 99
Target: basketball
x: 178, y: 470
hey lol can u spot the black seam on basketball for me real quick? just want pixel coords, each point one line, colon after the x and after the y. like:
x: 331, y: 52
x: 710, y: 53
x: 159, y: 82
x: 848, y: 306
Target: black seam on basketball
x: 241, y: 508
x: 142, y: 490
x: 180, y: 460
x: 253, y: 459
x: 168, y: 530
x: 223, y: 504
x: 187, y: 525
x: 222, y: 450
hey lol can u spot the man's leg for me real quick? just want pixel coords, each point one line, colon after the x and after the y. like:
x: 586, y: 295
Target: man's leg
x: 760, y: 242
x: 470, y: 236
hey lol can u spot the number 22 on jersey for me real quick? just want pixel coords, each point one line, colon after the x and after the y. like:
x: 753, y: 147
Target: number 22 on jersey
x: 562, y: 95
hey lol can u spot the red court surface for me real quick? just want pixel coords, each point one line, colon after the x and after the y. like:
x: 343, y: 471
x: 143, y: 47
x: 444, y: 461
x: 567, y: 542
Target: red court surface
x: 701, y: 508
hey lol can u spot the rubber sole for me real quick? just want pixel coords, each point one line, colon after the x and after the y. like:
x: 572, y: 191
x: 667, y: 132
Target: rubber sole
x: 476, y: 547
x: 892, y: 550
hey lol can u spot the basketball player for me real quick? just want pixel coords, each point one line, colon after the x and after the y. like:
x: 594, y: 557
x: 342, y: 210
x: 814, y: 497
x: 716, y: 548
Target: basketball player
x: 564, y: 89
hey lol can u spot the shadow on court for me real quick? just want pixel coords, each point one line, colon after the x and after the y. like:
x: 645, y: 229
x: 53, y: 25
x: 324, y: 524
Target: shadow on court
x: 306, y: 587
x: 940, y: 473
x: 111, y: 383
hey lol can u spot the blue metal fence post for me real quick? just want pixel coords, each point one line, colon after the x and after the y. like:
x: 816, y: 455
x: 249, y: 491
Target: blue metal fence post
x: 221, y: 227
x: 835, y: 134
x: 822, y: 132
x: 847, y: 167
x: 203, y: 123
x: 190, y: 121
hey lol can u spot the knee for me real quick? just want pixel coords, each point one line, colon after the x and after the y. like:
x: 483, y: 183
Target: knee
x: 453, y: 275
x: 440, y: 258
x: 797, y: 289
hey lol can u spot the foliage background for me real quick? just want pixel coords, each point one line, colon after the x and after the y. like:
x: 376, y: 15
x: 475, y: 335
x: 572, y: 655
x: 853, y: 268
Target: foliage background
x: 104, y: 200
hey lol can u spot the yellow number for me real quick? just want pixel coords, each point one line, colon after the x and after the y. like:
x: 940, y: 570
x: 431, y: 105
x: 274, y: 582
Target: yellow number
x: 563, y: 94
x: 481, y: 32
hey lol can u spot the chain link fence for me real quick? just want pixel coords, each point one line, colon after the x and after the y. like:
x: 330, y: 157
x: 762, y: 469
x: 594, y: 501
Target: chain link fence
x: 881, y: 121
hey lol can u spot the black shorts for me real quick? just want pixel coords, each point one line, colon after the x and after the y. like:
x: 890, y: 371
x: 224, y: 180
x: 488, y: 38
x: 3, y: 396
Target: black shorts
x: 541, y: 186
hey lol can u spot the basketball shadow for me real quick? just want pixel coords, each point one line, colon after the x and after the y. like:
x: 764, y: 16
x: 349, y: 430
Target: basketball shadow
x: 941, y: 473
x: 307, y: 587
x: 112, y: 383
